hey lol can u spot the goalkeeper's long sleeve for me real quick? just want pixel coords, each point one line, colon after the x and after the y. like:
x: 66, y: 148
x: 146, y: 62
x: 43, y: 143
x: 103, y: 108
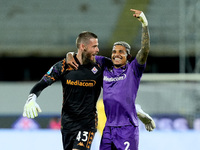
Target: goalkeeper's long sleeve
x: 38, y: 87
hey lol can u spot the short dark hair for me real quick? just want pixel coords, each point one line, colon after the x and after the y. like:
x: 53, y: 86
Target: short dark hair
x: 125, y: 44
x: 84, y: 37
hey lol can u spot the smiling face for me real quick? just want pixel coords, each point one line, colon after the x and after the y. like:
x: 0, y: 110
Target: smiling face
x: 119, y: 56
x: 90, y: 49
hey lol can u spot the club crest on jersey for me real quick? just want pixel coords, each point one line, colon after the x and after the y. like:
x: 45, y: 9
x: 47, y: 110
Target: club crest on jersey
x: 94, y: 70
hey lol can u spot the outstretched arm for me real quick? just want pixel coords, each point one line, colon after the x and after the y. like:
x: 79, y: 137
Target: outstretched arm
x: 145, y: 43
x: 31, y: 108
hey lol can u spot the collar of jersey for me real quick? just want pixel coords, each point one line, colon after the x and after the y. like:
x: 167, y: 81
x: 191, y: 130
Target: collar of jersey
x: 77, y: 60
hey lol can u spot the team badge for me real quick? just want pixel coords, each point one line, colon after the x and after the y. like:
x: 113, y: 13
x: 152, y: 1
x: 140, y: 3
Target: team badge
x: 94, y: 70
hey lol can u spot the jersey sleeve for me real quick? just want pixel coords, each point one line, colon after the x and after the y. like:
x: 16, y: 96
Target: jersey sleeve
x: 103, y: 61
x: 38, y: 87
x: 55, y: 72
x: 138, y: 69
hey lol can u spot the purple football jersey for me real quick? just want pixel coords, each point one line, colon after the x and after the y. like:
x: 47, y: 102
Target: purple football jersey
x: 120, y: 87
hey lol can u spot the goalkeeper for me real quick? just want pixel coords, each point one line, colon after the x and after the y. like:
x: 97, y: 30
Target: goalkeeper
x: 81, y: 89
x: 120, y: 86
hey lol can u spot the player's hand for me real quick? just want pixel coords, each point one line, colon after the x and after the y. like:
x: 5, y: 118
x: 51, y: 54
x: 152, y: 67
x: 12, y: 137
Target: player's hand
x: 145, y: 118
x: 140, y: 16
x: 70, y: 60
x: 148, y: 121
x: 31, y: 108
x: 150, y: 126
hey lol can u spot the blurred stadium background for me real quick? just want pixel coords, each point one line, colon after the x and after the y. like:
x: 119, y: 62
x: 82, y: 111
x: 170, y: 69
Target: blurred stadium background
x: 36, y: 34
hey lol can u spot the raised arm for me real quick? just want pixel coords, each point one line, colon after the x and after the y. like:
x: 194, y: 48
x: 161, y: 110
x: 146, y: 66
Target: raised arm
x: 145, y: 41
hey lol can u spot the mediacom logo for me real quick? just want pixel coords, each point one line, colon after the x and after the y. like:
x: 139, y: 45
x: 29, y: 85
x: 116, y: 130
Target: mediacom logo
x: 105, y: 78
x: 86, y: 83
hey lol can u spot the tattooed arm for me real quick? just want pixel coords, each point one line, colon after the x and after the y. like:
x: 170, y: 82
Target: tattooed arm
x: 145, y: 43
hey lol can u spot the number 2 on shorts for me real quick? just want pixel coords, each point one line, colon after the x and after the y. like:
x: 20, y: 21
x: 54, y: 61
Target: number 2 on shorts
x: 127, y: 145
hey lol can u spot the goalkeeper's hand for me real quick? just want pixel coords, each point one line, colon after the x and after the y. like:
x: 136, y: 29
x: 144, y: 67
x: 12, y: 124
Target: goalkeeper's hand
x: 141, y: 17
x: 31, y: 108
x: 145, y: 118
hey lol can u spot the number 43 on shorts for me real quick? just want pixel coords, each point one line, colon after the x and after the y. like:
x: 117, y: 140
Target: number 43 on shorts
x: 82, y: 137
x: 85, y: 137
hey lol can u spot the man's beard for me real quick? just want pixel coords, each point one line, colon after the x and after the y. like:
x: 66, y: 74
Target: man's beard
x: 86, y: 57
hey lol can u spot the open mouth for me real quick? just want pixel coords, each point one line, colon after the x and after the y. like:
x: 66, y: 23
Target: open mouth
x: 117, y: 59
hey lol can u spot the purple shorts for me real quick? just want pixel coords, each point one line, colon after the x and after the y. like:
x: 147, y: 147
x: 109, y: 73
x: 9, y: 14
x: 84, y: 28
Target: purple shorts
x: 115, y: 138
